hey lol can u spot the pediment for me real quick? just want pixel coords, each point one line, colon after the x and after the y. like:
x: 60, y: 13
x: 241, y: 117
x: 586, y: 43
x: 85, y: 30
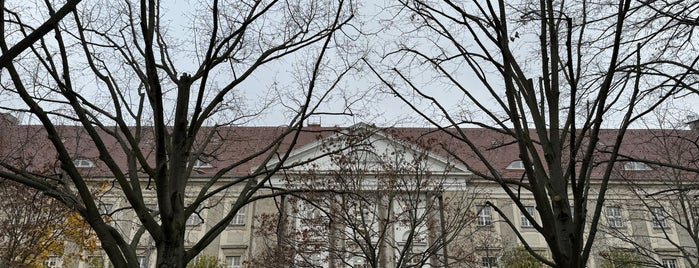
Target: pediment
x: 363, y: 148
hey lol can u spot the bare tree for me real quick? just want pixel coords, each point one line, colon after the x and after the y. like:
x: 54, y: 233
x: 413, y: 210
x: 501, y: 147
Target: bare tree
x: 122, y: 93
x: 666, y: 218
x: 24, y: 40
x: 382, y: 202
x: 545, y: 77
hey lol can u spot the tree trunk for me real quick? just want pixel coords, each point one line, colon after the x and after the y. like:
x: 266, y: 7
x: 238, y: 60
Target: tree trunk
x: 171, y: 253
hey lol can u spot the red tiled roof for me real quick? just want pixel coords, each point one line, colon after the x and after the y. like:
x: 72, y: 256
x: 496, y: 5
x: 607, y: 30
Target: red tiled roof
x: 28, y: 145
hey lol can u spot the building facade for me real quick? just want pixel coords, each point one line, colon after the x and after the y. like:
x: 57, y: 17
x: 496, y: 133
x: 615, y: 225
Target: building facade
x: 404, y: 197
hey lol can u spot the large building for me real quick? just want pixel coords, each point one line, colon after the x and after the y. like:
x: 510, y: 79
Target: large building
x: 364, y: 196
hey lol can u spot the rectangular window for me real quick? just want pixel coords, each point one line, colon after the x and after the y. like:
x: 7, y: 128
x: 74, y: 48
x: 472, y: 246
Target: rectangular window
x: 233, y: 262
x: 142, y: 261
x: 239, y: 218
x: 485, y: 218
x: 195, y: 219
x: 670, y: 263
x: 658, y: 217
x: 53, y: 262
x: 489, y: 262
x: 614, y: 218
x: 525, y: 222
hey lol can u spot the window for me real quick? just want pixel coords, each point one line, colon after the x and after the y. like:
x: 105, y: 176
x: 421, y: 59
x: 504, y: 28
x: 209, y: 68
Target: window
x: 670, y: 263
x: 53, y: 262
x: 638, y: 166
x: 532, y: 211
x: 83, y: 163
x: 142, y: 261
x: 489, y: 262
x: 194, y: 219
x: 517, y: 164
x: 201, y: 164
x: 233, y: 262
x: 658, y: 217
x: 239, y: 218
x: 485, y: 218
x: 614, y: 218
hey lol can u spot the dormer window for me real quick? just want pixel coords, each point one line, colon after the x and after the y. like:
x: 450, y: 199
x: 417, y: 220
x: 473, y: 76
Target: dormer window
x: 517, y: 164
x: 637, y: 166
x: 201, y: 164
x: 83, y: 163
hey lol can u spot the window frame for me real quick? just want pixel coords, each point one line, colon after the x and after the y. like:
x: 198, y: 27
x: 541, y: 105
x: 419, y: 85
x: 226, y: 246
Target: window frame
x: 636, y: 166
x: 658, y: 217
x: 53, y: 261
x: 142, y: 261
x: 83, y: 163
x: 516, y: 165
x: 616, y: 219
x: 189, y: 222
x: 489, y: 262
x: 240, y: 217
x: 200, y: 163
x: 231, y: 261
x: 526, y: 223
x: 670, y: 263
x: 484, y: 216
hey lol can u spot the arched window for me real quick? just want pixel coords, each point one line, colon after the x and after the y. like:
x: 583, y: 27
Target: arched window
x: 83, y: 163
x: 201, y: 164
x: 638, y: 166
x: 517, y: 164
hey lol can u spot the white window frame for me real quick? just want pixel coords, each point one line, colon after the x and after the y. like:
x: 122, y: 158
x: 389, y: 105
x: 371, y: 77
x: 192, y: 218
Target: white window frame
x: 670, y: 263
x: 240, y: 217
x: 199, y: 163
x: 489, y: 262
x: 532, y: 211
x: 234, y: 261
x: 53, y: 262
x: 485, y: 216
x: 195, y: 219
x: 614, y: 217
x: 83, y: 163
x: 636, y: 166
x: 142, y: 261
x: 658, y: 217
x: 516, y: 165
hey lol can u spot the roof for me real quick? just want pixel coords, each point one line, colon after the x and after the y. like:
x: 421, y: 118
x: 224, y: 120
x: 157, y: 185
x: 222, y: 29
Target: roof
x: 29, y: 147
